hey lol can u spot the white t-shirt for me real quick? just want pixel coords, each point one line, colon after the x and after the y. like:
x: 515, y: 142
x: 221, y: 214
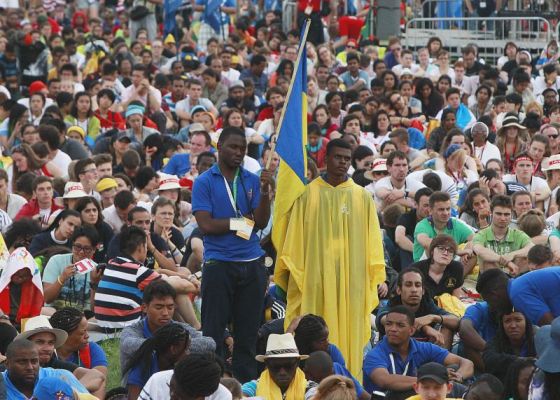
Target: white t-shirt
x: 62, y: 161
x: 410, y: 185
x: 15, y: 202
x: 251, y: 165
x: 536, y: 185
x: 185, y: 104
x: 157, y: 388
x: 112, y: 218
x: 487, y: 152
x: 231, y: 74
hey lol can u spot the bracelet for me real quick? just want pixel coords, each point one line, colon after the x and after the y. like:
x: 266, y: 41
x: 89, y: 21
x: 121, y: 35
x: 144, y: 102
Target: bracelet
x: 441, y: 316
x: 59, y: 281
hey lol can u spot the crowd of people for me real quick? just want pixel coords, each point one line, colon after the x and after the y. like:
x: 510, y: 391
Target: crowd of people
x: 138, y: 192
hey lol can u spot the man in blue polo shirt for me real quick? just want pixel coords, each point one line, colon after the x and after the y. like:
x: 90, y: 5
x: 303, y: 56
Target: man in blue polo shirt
x: 535, y: 293
x: 393, y: 363
x: 230, y: 205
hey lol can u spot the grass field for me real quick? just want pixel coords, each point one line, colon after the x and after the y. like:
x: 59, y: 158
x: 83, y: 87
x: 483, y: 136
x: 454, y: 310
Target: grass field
x: 111, y: 348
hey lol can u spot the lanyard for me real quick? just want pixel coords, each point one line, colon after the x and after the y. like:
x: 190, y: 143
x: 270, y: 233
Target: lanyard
x: 393, y: 365
x: 233, y: 196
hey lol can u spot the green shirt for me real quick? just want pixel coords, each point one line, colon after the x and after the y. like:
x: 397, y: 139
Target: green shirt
x: 455, y: 228
x: 514, y: 240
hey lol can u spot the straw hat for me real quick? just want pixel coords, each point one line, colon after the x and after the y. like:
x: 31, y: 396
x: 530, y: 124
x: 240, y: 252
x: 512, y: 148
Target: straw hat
x: 379, y: 165
x: 281, y: 346
x: 511, y: 119
x: 41, y: 324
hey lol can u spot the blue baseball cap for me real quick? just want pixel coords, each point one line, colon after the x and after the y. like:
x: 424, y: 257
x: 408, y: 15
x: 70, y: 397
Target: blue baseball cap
x: 52, y: 388
x: 451, y: 149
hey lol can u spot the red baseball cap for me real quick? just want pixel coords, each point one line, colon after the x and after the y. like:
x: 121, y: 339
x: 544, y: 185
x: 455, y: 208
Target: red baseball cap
x: 37, y: 86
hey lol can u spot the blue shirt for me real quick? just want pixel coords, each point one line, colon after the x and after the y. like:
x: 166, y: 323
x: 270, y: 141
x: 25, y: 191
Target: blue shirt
x: 536, y: 293
x: 98, y: 358
x: 209, y: 194
x: 136, y: 375
x: 484, y: 324
x: 179, y: 164
x: 341, y: 370
x: 14, y: 394
x: 419, y: 353
x: 336, y: 355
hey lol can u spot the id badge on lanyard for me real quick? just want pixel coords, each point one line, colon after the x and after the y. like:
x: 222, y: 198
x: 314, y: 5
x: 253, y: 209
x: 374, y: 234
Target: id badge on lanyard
x: 243, y: 226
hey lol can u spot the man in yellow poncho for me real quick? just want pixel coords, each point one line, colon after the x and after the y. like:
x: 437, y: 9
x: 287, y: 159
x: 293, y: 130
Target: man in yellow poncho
x: 331, y: 260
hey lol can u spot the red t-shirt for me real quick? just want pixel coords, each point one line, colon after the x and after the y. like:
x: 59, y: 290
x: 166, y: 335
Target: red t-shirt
x: 350, y: 26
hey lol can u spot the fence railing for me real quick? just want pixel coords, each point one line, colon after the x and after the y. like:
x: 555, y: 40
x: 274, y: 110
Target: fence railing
x: 489, y: 34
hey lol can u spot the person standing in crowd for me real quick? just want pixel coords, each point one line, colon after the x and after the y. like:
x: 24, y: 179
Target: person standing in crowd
x: 228, y: 204
x: 309, y: 276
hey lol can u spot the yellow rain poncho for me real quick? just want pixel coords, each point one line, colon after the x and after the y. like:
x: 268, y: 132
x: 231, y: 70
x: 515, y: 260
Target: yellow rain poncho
x: 332, y: 261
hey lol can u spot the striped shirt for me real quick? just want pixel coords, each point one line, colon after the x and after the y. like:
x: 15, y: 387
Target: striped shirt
x: 119, y: 294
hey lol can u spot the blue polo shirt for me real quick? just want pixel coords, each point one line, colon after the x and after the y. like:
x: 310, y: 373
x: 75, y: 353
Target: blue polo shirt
x: 419, y: 353
x: 536, y: 293
x: 479, y: 315
x: 179, y: 164
x: 210, y: 194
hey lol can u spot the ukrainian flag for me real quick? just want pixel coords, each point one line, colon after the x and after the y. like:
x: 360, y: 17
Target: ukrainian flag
x: 290, y: 146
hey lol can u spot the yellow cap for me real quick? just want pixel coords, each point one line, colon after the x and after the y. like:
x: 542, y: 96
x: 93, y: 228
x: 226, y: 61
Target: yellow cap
x: 169, y: 39
x: 78, y: 129
x: 105, y: 184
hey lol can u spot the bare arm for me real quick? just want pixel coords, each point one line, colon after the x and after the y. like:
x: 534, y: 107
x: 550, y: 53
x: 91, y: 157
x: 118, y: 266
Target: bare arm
x: 382, y: 377
x: 51, y: 291
x: 487, y: 255
x: 470, y: 336
x: 211, y: 226
x: 466, y: 367
x: 402, y: 241
x: 424, y: 241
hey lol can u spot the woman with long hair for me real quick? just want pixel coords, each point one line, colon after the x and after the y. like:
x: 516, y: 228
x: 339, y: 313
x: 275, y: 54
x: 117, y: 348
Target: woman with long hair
x: 539, y: 151
x: 476, y: 209
x: 322, y: 116
x: 448, y: 121
x: 483, y: 105
x: 381, y: 127
x: 36, y: 105
x: 432, y: 101
x: 10, y: 129
x: 444, y: 82
x: 168, y: 345
x: 147, y: 181
x: 327, y: 58
x: 514, y: 339
x: 91, y: 215
x: 390, y: 81
x: 518, y: 378
x: 62, y: 285
x: 511, y: 139
x: 334, y: 102
x: 81, y: 114
x: 234, y: 117
x: 58, y: 233
x: 26, y: 160
x: 163, y: 213
x: 285, y: 69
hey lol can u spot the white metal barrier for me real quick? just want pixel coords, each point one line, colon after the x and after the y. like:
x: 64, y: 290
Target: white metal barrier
x: 489, y: 34
x: 289, y: 15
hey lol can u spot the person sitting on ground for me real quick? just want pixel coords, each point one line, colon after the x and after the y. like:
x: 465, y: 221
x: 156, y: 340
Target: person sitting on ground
x: 442, y: 274
x: 21, y: 382
x: 393, y: 364
x: 195, y: 377
x: 168, y: 345
x: 158, y: 305
x: 432, y: 383
x: 21, y: 290
x: 39, y: 331
x: 58, y: 233
x: 539, y: 257
x: 63, y: 285
x: 499, y: 245
x: 320, y: 366
x: 282, y: 378
x: 432, y: 323
x: 77, y: 348
x: 486, y: 387
x: 336, y: 387
x: 514, y: 340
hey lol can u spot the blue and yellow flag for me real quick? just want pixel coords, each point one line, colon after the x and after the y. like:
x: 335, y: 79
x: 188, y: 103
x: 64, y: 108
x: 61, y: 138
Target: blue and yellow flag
x: 290, y: 146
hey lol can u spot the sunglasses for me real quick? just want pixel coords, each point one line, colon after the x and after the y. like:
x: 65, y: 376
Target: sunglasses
x: 553, y: 136
x: 287, y: 366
